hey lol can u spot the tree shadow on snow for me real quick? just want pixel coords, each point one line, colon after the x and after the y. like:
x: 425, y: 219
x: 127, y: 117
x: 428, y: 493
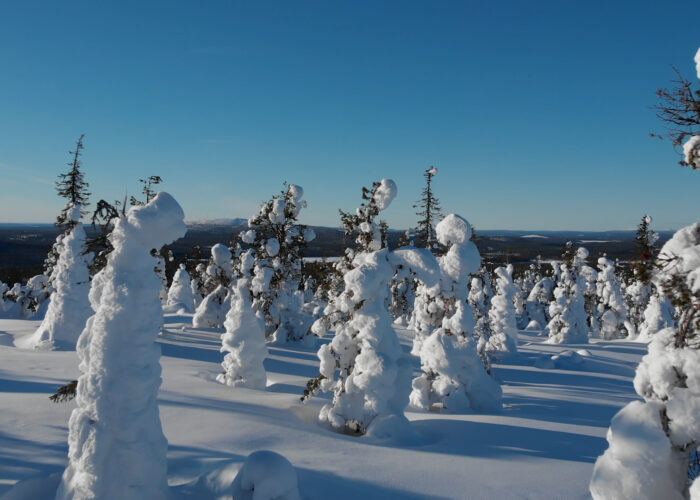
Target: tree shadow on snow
x: 315, y: 484
x: 28, y: 386
x: 490, y: 440
x: 25, y: 459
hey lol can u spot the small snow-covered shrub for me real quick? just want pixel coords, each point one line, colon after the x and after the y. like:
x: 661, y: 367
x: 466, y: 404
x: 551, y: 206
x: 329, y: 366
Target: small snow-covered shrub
x: 244, y: 342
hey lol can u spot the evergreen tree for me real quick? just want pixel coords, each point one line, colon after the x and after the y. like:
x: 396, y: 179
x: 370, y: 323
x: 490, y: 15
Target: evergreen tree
x: 429, y: 213
x: 679, y: 110
x: 454, y: 376
x: 73, y: 187
x: 360, y: 364
x: 639, y: 291
x: 277, y: 239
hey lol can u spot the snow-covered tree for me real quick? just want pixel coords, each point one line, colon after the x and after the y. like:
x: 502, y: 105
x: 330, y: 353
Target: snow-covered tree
x: 657, y: 316
x: 73, y: 187
x: 504, y: 330
x: 211, y: 312
x: 537, y: 304
x: 611, y: 321
x: 569, y: 321
x: 481, y: 304
x: 180, y: 296
x: 429, y: 212
x: 650, y: 441
x: 277, y: 239
x: 244, y: 342
x: 197, y: 283
x: 117, y: 449
x: 69, y: 307
x: 454, y: 376
x: 403, y: 296
x: 361, y: 363
x: 639, y: 291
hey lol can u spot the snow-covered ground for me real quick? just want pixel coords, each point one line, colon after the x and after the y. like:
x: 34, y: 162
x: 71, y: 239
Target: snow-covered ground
x: 542, y: 445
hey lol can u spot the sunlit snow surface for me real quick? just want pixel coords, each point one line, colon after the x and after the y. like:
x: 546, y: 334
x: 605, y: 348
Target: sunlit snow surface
x: 542, y: 445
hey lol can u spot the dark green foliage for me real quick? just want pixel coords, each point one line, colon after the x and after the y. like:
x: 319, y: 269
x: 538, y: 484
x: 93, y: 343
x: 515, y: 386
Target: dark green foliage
x: 365, y: 214
x: 73, y: 187
x: 644, y: 242
x: 312, y: 388
x: 567, y: 254
x: 679, y: 109
x: 147, y: 189
x: 65, y: 393
x: 429, y: 213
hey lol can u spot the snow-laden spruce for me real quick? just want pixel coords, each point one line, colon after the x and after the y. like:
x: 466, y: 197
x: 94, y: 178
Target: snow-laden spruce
x: 537, y: 304
x: 180, y: 296
x: 244, y: 342
x: 277, y: 240
x: 502, y: 318
x: 454, y: 376
x: 211, y: 312
x: 117, y: 449
x: 69, y: 307
x: 650, y: 442
x: 361, y: 363
x: 569, y: 323
x: 691, y: 148
x: 611, y: 321
x: 657, y: 316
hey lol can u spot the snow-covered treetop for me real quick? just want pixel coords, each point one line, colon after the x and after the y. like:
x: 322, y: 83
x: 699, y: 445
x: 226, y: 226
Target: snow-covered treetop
x: 462, y: 259
x: 453, y: 230
x: 681, y: 256
x: 697, y: 62
x: 73, y: 212
x: 581, y: 256
x: 604, y: 263
x: 296, y: 192
x: 385, y: 194
x: 362, y: 223
x: 156, y: 224
x: 419, y: 261
x: 433, y: 171
x: 221, y: 256
x: 691, y: 151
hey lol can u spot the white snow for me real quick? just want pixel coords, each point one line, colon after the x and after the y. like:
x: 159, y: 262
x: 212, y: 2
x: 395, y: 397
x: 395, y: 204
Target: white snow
x: 540, y: 446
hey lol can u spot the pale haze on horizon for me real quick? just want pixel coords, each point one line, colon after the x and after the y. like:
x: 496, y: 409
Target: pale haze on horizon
x: 538, y: 116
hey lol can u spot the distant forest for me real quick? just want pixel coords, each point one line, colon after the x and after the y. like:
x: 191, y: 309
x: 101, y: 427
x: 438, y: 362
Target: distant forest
x: 23, y: 248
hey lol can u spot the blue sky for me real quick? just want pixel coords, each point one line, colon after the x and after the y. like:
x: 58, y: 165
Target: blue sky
x: 536, y: 113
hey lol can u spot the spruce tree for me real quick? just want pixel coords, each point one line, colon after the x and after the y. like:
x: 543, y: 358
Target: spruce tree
x: 429, y: 213
x: 73, y: 187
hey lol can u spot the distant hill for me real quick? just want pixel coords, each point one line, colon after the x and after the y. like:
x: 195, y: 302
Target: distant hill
x: 23, y: 247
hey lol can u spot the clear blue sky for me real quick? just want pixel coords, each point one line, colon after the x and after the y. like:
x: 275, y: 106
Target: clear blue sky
x: 536, y: 113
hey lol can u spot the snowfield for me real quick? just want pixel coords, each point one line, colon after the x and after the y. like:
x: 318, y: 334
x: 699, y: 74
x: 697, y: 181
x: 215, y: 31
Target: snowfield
x: 558, y: 404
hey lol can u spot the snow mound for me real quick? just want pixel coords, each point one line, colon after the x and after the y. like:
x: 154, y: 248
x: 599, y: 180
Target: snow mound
x: 266, y: 475
x: 565, y: 360
x: 639, y: 461
x: 533, y: 325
